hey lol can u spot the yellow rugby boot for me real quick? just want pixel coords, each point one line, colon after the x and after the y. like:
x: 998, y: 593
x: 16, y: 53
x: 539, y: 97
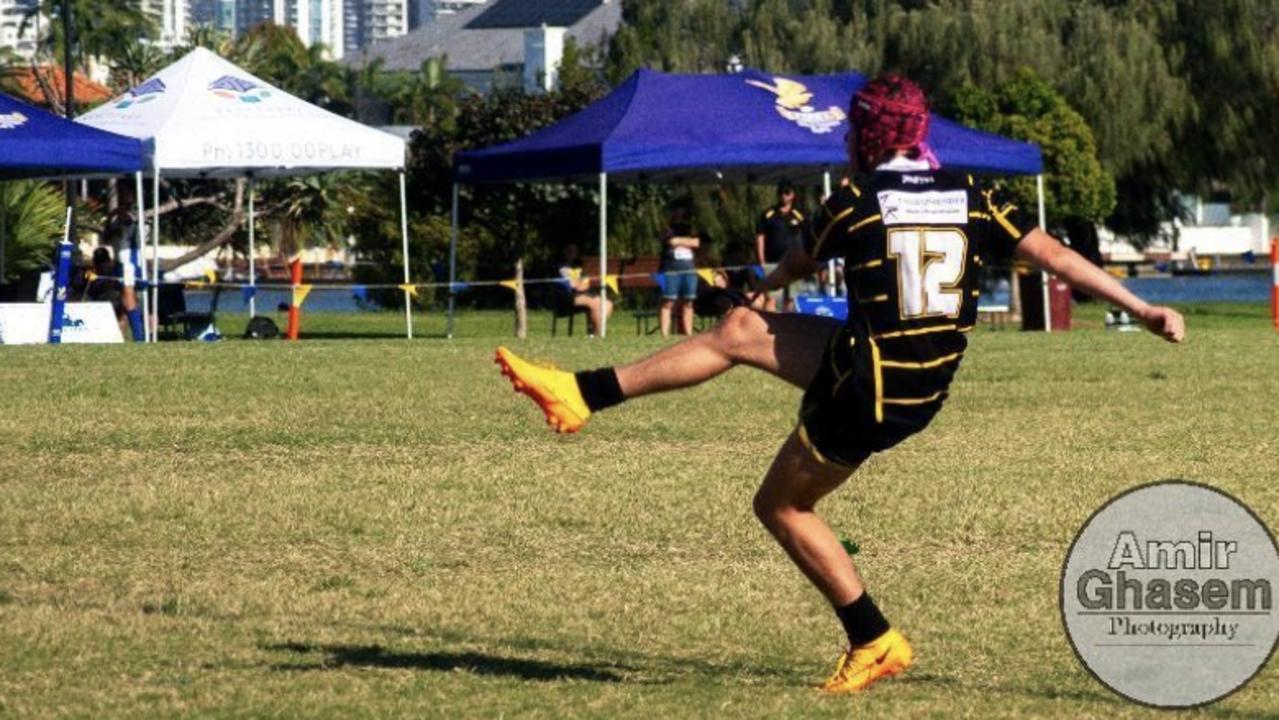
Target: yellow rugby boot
x: 555, y: 391
x: 886, y: 656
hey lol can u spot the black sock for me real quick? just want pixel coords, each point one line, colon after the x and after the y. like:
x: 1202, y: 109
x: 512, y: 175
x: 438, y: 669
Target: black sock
x: 862, y: 620
x: 599, y: 388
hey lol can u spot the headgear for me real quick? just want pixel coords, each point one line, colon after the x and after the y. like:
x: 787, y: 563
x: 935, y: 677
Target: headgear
x: 889, y: 113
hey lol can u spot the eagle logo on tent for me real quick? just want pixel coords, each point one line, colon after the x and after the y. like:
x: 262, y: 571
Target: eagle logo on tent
x: 142, y: 94
x: 12, y: 120
x: 234, y: 88
x: 793, y: 100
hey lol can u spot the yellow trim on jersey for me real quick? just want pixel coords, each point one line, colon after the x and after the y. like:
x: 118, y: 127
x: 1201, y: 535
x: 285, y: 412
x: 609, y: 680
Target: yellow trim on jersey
x: 1002, y: 217
x: 916, y: 331
x: 975, y: 293
x: 810, y: 447
x: 863, y: 223
x: 798, y: 215
x: 913, y: 401
x: 856, y: 190
x: 978, y: 215
x: 877, y: 298
x: 821, y: 240
x: 966, y: 329
x: 867, y: 265
x: 879, y: 381
x: 769, y: 215
x: 904, y: 365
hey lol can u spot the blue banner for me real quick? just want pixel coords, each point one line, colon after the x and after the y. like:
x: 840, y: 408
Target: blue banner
x: 61, y: 279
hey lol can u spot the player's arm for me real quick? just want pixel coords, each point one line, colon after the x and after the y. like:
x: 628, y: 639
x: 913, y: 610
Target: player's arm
x: 795, y: 265
x: 685, y: 242
x: 759, y: 248
x: 1046, y: 252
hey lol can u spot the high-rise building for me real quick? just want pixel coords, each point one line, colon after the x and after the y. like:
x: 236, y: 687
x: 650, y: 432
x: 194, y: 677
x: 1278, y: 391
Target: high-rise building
x: 371, y: 21
x: 435, y: 8
x: 218, y: 14
x: 314, y: 21
x: 13, y: 35
x: 172, y: 17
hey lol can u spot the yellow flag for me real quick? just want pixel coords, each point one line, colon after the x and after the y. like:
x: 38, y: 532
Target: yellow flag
x: 211, y: 275
x: 410, y: 289
x: 706, y: 274
x: 510, y: 284
x: 194, y: 285
x: 575, y: 274
x: 611, y: 282
x: 299, y: 294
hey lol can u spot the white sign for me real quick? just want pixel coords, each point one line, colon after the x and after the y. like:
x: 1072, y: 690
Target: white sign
x: 924, y: 208
x: 88, y: 322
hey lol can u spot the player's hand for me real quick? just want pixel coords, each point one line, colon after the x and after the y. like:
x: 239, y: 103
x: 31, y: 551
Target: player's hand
x: 1165, y: 322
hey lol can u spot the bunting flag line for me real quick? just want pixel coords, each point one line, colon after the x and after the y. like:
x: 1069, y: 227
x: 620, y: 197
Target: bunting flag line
x: 706, y: 274
x: 575, y: 274
x: 510, y: 284
x: 458, y: 287
x: 409, y: 288
x: 194, y: 285
x: 760, y: 273
x: 211, y: 276
x: 360, y: 292
x: 611, y: 282
x: 299, y: 294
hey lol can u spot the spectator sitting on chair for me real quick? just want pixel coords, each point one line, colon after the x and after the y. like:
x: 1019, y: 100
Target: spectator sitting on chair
x: 103, y: 286
x: 594, y: 301
x: 678, y: 245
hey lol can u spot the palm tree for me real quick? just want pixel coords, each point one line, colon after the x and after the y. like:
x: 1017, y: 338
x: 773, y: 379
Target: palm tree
x: 31, y: 217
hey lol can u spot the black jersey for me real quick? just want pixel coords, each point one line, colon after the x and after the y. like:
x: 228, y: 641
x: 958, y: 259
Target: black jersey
x: 912, y: 241
x: 781, y: 231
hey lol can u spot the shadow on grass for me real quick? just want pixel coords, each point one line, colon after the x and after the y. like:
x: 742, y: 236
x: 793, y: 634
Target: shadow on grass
x: 374, y: 656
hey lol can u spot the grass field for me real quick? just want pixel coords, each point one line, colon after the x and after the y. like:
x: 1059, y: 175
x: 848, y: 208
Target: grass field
x: 377, y: 528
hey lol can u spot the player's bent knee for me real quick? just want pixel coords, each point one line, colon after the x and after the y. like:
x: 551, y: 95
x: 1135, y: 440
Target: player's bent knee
x: 740, y: 326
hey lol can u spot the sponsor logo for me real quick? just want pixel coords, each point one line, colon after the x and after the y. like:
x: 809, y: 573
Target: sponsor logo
x: 1167, y: 594
x: 792, y: 103
x: 946, y: 207
x: 9, y: 121
x: 229, y: 87
x: 142, y: 94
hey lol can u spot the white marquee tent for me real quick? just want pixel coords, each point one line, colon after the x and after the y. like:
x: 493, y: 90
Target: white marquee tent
x: 204, y: 117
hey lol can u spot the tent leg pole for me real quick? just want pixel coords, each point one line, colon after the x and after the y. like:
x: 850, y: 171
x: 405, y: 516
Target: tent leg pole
x: 1043, y: 225
x: 603, y: 328
x: 404, y: 236
x: 140, y: 224
x: 832, y: 288
x: 453, y: 260
x: 253, y: 254
x: 4, y: 227
x: 154, y: 321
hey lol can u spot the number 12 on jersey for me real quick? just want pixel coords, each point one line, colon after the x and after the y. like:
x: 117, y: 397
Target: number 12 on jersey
x: 930, y: 266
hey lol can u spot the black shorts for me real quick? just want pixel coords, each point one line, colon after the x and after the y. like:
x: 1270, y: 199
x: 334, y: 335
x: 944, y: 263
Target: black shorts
x: 841, y: 419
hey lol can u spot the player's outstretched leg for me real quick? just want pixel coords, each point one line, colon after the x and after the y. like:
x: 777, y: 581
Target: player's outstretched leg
x: 785, y: 504
x: 788, y: 346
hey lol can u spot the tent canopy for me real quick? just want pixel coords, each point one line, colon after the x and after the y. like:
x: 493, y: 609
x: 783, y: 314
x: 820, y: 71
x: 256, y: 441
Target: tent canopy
x: 749, y: 126
x: 203, y: 116
x: 35, y: 143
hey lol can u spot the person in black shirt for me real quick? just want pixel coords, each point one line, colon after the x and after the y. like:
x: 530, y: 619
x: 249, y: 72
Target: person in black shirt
x: 779, y: 229
x: 912, y: 235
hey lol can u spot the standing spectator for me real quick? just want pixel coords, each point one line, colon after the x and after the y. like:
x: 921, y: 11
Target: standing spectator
x: 678, y: 246
x: 597, y: 305
x: 121, y: 235
x: 779, y: 229
x: 104, y: 286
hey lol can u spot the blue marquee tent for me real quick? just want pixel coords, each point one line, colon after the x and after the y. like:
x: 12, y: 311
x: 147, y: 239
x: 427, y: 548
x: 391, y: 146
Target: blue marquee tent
x: 37, y: 144
x: 744, y: 127
x: 749, y: 126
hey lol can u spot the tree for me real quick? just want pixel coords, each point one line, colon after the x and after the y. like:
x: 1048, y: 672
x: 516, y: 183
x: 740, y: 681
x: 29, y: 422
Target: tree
x: 32, y: 214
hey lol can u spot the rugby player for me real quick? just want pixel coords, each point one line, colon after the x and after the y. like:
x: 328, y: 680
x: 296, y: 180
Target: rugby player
x: 912, y: 236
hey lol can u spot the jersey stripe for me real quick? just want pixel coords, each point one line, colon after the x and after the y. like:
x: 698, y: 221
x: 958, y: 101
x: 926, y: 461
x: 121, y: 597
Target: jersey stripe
x: 821, y: 240
x: 879, y: 381
x: 913, y: 401
x: 904, y: 365
x: 867, y: 265
x: 916, y: 331
x: 863, y: 223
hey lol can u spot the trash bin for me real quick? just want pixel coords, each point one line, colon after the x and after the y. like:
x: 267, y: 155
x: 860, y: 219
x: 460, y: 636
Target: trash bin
x: 1030, y: 283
